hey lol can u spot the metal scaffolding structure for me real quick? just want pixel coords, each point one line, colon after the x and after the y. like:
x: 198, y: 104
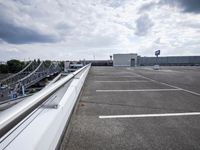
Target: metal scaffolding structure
x: 34, y: 72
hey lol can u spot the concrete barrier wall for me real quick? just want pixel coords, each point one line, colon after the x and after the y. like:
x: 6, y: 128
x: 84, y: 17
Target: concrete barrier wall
x: 100, y: 62
x: 44, y: 132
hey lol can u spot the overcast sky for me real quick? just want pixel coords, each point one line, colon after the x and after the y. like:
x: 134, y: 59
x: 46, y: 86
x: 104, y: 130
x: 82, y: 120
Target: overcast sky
x: 84, y: 29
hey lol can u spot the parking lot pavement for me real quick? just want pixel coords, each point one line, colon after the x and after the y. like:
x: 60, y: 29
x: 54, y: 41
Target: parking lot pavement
x: 146, y: 109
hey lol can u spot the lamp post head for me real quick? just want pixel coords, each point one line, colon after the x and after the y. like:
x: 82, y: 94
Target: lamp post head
x: 157, y: 53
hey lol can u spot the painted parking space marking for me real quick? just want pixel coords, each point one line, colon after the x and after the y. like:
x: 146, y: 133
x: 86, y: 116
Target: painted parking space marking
x: 151, y: 115
x: 124, y: 81
x: 117, y: 76
x: 140, y: 90
x: 169, y: 85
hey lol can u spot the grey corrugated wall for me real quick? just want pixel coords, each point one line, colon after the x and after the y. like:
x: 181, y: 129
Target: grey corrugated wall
x: 170, y: 60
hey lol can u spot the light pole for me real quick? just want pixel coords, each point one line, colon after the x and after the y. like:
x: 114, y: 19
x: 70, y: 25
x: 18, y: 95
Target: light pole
x: 157, y: 53
x: 110, y: 57
x: 156, y: 66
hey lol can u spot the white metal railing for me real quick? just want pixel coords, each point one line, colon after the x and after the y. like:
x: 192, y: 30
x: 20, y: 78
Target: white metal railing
x: 10, y: 80
x: 9, y: 117
x: 42, y: 129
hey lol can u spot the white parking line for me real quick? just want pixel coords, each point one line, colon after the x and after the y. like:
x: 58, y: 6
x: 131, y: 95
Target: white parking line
x: 140, y: 90
x: 125, y: 81
x: 191, y: 92
x: 151, y: 115
x: 117, y: 76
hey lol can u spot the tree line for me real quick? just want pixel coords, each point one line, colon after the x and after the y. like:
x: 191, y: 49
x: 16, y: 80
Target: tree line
x: 12, y: 66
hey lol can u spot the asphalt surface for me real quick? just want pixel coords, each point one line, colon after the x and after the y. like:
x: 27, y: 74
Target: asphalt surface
x: 132, y: 91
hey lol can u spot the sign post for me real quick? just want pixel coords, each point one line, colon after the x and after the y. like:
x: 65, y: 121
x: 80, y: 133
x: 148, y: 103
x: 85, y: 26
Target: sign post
x: 157, y: 53
x: 156, y: 67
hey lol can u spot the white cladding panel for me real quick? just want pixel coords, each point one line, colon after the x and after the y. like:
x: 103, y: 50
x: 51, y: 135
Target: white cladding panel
x: 124, y: 60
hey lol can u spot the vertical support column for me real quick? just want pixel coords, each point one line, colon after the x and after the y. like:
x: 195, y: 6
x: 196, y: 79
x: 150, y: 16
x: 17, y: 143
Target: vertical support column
x: 23, y: 90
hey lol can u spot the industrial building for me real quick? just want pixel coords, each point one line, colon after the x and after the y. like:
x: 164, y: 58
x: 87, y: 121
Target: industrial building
x: 125, y: 60
x: 132, y: 60
x: 169, y: 61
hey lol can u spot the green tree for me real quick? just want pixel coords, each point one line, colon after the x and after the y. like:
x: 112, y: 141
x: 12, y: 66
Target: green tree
x: 61, y: 64
x: 47, y: 63
x: 15, y: 66
x: 38, y: 61
x: 3, y: 68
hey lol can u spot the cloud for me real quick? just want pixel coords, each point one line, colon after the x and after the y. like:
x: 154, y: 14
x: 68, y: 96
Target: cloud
x: 102, y: 41
x: 114, y: 3
x: 15, y: 34
x: 13, y: 30
x: 24, y: 2
x: 190, y: 6
x: 76, y: 29
x: 147, y: 6
x: 189, y: 24
x: 143, y: 25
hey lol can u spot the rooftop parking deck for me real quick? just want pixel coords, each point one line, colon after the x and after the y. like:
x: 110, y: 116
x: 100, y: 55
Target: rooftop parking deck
x: 137, y: 108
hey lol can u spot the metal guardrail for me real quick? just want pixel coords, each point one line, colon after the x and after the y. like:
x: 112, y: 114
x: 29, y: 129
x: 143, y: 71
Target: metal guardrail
x: 9, y: 103
x: 10, y: 117
x: 9, y: 84
x: 15, y: 77
x: 31, y: 74
x: 54, y: 80
x: 10, y: 100
x: 38, y: 74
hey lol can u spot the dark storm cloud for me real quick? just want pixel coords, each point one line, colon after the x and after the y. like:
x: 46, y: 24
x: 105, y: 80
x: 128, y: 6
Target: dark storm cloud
x: 191, y: 6
x: 143, y: 25
x: 15, y: 34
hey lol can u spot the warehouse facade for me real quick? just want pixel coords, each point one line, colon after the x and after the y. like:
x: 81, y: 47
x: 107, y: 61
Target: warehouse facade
x: 125, y: 60
x: 132, y: 60
x: 169, y: 61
